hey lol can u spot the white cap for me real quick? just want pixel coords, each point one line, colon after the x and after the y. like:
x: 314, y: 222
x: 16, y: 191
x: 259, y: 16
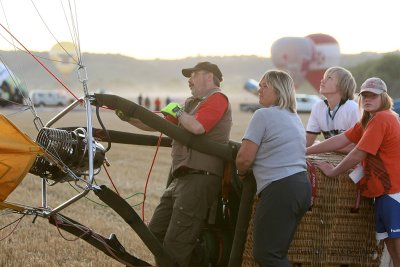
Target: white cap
x: 373, y: 85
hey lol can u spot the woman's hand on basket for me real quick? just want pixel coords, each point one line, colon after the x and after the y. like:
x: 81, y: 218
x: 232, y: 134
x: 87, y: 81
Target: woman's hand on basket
x: 326, y: 167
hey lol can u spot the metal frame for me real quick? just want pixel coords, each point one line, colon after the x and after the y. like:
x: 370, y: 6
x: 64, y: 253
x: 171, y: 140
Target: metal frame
x: 90, y: 141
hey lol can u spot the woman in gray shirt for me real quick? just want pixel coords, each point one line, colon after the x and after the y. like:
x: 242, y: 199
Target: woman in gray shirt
x: 274, y: 147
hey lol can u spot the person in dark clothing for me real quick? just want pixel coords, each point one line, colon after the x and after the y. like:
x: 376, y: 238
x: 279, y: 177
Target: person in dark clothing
x: 183, y: 208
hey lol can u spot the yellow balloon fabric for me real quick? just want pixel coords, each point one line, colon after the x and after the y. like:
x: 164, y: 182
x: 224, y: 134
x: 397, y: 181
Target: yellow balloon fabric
x: 17, y: 155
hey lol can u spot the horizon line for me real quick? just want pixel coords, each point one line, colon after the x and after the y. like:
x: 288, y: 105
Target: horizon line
x: 191, y: 56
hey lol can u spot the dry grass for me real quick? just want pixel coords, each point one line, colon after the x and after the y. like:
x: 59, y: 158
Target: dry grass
x: 40, y: 244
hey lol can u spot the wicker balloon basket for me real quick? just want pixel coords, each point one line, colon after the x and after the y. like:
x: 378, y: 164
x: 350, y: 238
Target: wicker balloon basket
x: 337, y: 231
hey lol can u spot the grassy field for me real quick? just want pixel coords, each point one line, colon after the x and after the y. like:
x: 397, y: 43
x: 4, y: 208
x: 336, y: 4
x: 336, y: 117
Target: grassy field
x: 37, y: 243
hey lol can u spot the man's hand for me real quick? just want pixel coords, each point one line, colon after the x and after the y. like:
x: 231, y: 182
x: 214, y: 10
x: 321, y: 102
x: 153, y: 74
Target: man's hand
x: 172, y: 109
x: 121, y: 115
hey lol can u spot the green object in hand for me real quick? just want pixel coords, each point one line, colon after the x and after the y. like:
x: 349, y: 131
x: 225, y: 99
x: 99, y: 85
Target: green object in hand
x: 173, y: 109
x: 121, y: 115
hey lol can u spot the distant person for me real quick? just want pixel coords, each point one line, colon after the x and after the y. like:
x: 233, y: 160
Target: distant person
x: 274, y: 147
x: 157, y: 104
x: 377, y: 141
x: 338, y: 112
x: 147, y: 102
x: 196, y: 184
x: 140, y: 99
x: 167, y: 100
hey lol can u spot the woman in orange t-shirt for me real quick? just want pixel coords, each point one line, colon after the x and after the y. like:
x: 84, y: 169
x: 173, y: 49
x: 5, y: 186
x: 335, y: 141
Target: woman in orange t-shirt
x: 377, y: 139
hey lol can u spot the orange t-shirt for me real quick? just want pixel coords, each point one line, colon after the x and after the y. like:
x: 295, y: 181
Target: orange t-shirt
x: 381, y: 140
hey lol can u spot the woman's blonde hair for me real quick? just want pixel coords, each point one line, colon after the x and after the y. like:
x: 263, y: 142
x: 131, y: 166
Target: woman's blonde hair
x: 284, y: 88
x: 386, y: 103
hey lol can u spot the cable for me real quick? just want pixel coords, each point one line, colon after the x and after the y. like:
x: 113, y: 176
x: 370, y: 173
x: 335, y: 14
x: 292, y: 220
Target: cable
x: 66, y: 223
x: 15, y: 227
x: 148, y: 175
x: 41, y: 63
x: 109, y: 177
x: 47, y: 27
x: 104, y: 129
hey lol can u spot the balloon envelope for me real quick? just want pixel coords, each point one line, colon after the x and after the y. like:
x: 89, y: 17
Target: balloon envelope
x: 64, y: 57
x: 326, y: 55
x: 293, y: 55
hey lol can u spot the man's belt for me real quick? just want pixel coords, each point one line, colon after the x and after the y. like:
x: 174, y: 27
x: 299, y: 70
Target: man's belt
x: 182, y: 171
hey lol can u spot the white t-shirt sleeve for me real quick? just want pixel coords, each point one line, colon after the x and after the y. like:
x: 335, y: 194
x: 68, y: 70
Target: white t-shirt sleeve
x: 353, y: 114
x: 313, y: 126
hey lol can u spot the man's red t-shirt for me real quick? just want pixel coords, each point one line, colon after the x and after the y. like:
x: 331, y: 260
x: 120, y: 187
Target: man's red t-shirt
x: 210, y: 112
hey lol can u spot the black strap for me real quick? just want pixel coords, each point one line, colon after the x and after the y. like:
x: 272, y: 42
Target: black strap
x: 120, y: 206
x: 200, y: 143
x: 98, y: 241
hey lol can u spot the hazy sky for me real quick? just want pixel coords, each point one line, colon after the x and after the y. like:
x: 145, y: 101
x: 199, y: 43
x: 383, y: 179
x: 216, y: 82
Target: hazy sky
x: 148, y: 29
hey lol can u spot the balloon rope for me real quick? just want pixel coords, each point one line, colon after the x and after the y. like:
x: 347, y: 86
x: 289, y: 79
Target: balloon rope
x: 148, y: 175
x: 14, y: 229
x: 44, y: 66
x: 109, y: 177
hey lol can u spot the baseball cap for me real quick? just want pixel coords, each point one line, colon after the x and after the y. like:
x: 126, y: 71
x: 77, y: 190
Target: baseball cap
x: 207, y: 66
x: 374, y: 85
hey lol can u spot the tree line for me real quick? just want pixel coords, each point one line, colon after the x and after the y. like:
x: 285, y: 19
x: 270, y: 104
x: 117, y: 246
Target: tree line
x: 387, y: 68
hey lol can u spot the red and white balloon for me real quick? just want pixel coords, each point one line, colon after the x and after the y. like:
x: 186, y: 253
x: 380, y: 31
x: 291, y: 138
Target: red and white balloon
x: 306, y: 57
x: 326, y: 55
x: 293, y: 55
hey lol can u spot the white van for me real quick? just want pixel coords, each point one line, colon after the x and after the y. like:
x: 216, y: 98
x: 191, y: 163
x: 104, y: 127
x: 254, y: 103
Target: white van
x: 304, y: 104
x: 44, y: 98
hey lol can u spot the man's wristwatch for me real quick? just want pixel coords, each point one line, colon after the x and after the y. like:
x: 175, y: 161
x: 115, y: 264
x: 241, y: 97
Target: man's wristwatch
x: 179, y: 112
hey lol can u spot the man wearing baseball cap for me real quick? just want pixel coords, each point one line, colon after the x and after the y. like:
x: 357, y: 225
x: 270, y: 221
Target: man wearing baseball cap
x: 196, y: 183
x: 206, y: 66
x: 196, y: 177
